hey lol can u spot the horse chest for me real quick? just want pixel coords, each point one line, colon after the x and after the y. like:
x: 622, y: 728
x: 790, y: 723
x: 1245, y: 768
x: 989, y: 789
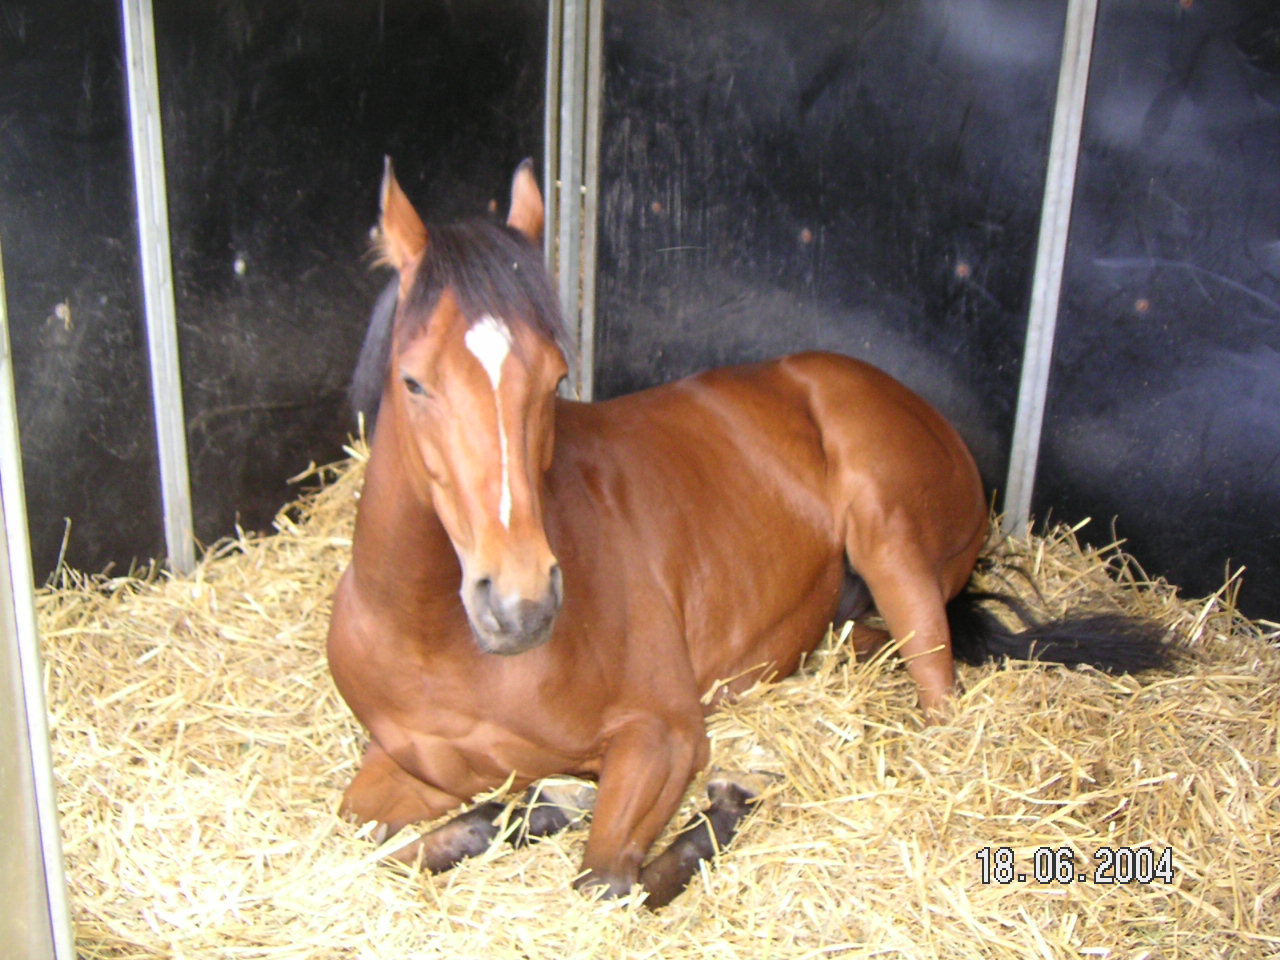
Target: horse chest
x: 464, y: 755
x: 452, y: 725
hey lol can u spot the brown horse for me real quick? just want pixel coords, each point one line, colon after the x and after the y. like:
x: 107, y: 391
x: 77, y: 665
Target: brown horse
x: 539, y: 586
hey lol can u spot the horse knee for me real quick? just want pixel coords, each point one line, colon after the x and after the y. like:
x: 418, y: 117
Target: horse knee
x: 384, y: 793
x: 603, y: 884
x: 381, y: 802
x: 647, y: 768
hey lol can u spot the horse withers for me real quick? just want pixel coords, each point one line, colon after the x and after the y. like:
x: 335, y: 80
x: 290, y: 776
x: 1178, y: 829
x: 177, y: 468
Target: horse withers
x: 540, y: 587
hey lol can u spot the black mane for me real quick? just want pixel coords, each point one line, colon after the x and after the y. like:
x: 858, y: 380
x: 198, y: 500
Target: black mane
x: 492, y: 270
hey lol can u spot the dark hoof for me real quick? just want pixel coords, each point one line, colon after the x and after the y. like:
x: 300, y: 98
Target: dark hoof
x: 597, y: 886
x: 551, y: 806
x: 732, y: 796
x: 736, y: 789
x: 467, y: 835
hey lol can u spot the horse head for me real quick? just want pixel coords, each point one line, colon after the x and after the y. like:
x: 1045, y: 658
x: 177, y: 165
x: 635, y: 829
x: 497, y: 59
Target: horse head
x: 476, y: 355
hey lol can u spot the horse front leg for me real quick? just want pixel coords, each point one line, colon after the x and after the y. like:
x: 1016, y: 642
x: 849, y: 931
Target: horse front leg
x: 647, y: 767
x: 552, y: 805
x: 547, y: 808
x: 732, y: 797
x: 385, y: 793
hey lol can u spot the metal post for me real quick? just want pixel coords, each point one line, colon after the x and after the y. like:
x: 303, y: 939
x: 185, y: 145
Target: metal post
x: 36, y: 919
x: 551, y: 132
x: 1046, y: 283
x: 591, y: 199
x: 572, y: 90
x: 157, y: 281
x: 575, y: 42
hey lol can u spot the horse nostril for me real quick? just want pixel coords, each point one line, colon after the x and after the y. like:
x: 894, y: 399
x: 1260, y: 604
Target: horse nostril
x: 484, y: 595
x: 557, y: 584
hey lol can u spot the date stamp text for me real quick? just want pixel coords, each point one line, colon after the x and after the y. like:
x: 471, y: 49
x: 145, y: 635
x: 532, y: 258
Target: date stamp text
x: 1118, y: 865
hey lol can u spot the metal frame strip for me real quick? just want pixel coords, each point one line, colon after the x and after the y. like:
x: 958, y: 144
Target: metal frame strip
x: 551, y: 131
x: 569, y: 242
x: 594, y: 97
x: 574, y: 69
x: 1046, y: 283
x: 33, y: 768
x: 157, y: 281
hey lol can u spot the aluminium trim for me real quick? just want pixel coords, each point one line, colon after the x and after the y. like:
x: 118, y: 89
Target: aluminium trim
x: 17, y: 592
x: 157, y: 281
x: 1051, y: 252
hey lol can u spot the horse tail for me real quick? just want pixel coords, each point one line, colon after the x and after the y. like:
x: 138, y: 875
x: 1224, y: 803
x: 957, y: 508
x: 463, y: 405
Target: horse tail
x: 1114, y: 642
x: 370, y: 376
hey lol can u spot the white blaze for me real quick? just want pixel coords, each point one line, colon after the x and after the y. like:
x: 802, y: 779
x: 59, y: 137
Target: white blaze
x: 490, y: 340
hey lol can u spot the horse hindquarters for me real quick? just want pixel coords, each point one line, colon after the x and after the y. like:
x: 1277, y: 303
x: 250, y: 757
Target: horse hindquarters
x: 908, y: 501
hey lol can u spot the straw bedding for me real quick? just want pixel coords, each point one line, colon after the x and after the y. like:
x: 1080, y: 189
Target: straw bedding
x: 200, y: 751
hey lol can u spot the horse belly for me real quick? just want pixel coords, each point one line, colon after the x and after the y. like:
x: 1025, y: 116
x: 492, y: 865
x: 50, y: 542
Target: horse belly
x: 761, y: 589
x: 746, y: 638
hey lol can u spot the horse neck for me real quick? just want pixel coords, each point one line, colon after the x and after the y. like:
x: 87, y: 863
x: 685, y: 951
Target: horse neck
x: 403, y: 560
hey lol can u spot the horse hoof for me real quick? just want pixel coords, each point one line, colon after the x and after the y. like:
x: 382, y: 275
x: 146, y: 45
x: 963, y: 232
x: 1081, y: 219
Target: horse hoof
x: 736, y: 787
x: 598, y: 886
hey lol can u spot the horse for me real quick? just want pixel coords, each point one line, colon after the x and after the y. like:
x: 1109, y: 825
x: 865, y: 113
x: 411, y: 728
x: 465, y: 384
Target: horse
x: 539, y: 586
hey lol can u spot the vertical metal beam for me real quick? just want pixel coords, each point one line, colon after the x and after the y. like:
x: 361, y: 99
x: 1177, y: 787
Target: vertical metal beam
x: 591, y: 199
x: 573, y: 64
x: 575, y: 41
x: 1051, y: 252
x: 36, y: 919
x: 551, y: 132
x: 157, y: 280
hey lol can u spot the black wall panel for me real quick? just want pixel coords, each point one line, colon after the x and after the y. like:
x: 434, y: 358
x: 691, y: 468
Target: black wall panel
x: 67, y: 222
x: 276, y: 118
x: 1165, y: 394
x: 856, y: 176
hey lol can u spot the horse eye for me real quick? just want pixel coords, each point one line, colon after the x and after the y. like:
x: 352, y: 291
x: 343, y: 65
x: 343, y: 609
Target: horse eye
x: 413, y: 386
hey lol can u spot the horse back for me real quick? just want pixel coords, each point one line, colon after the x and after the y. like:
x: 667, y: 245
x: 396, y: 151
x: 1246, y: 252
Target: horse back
x: 728, y: 495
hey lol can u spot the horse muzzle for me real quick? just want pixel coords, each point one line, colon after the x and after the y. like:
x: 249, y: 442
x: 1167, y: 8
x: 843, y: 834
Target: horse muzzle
x: 507, y: 624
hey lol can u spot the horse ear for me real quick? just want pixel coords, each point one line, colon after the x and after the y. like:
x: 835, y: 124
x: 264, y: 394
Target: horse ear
x: 526, y: 203
x: 402, y: 235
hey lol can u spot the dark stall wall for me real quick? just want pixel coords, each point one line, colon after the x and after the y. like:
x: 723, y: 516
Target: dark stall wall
x: 854, y: 176
x: 71, y: 270
x: 276, y: 119
x: 1164, y: 403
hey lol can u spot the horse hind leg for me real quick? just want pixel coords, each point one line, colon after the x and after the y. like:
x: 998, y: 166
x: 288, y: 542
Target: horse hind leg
x: 732, y: 797
x: 912, y: 603
x: 855, y: 604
